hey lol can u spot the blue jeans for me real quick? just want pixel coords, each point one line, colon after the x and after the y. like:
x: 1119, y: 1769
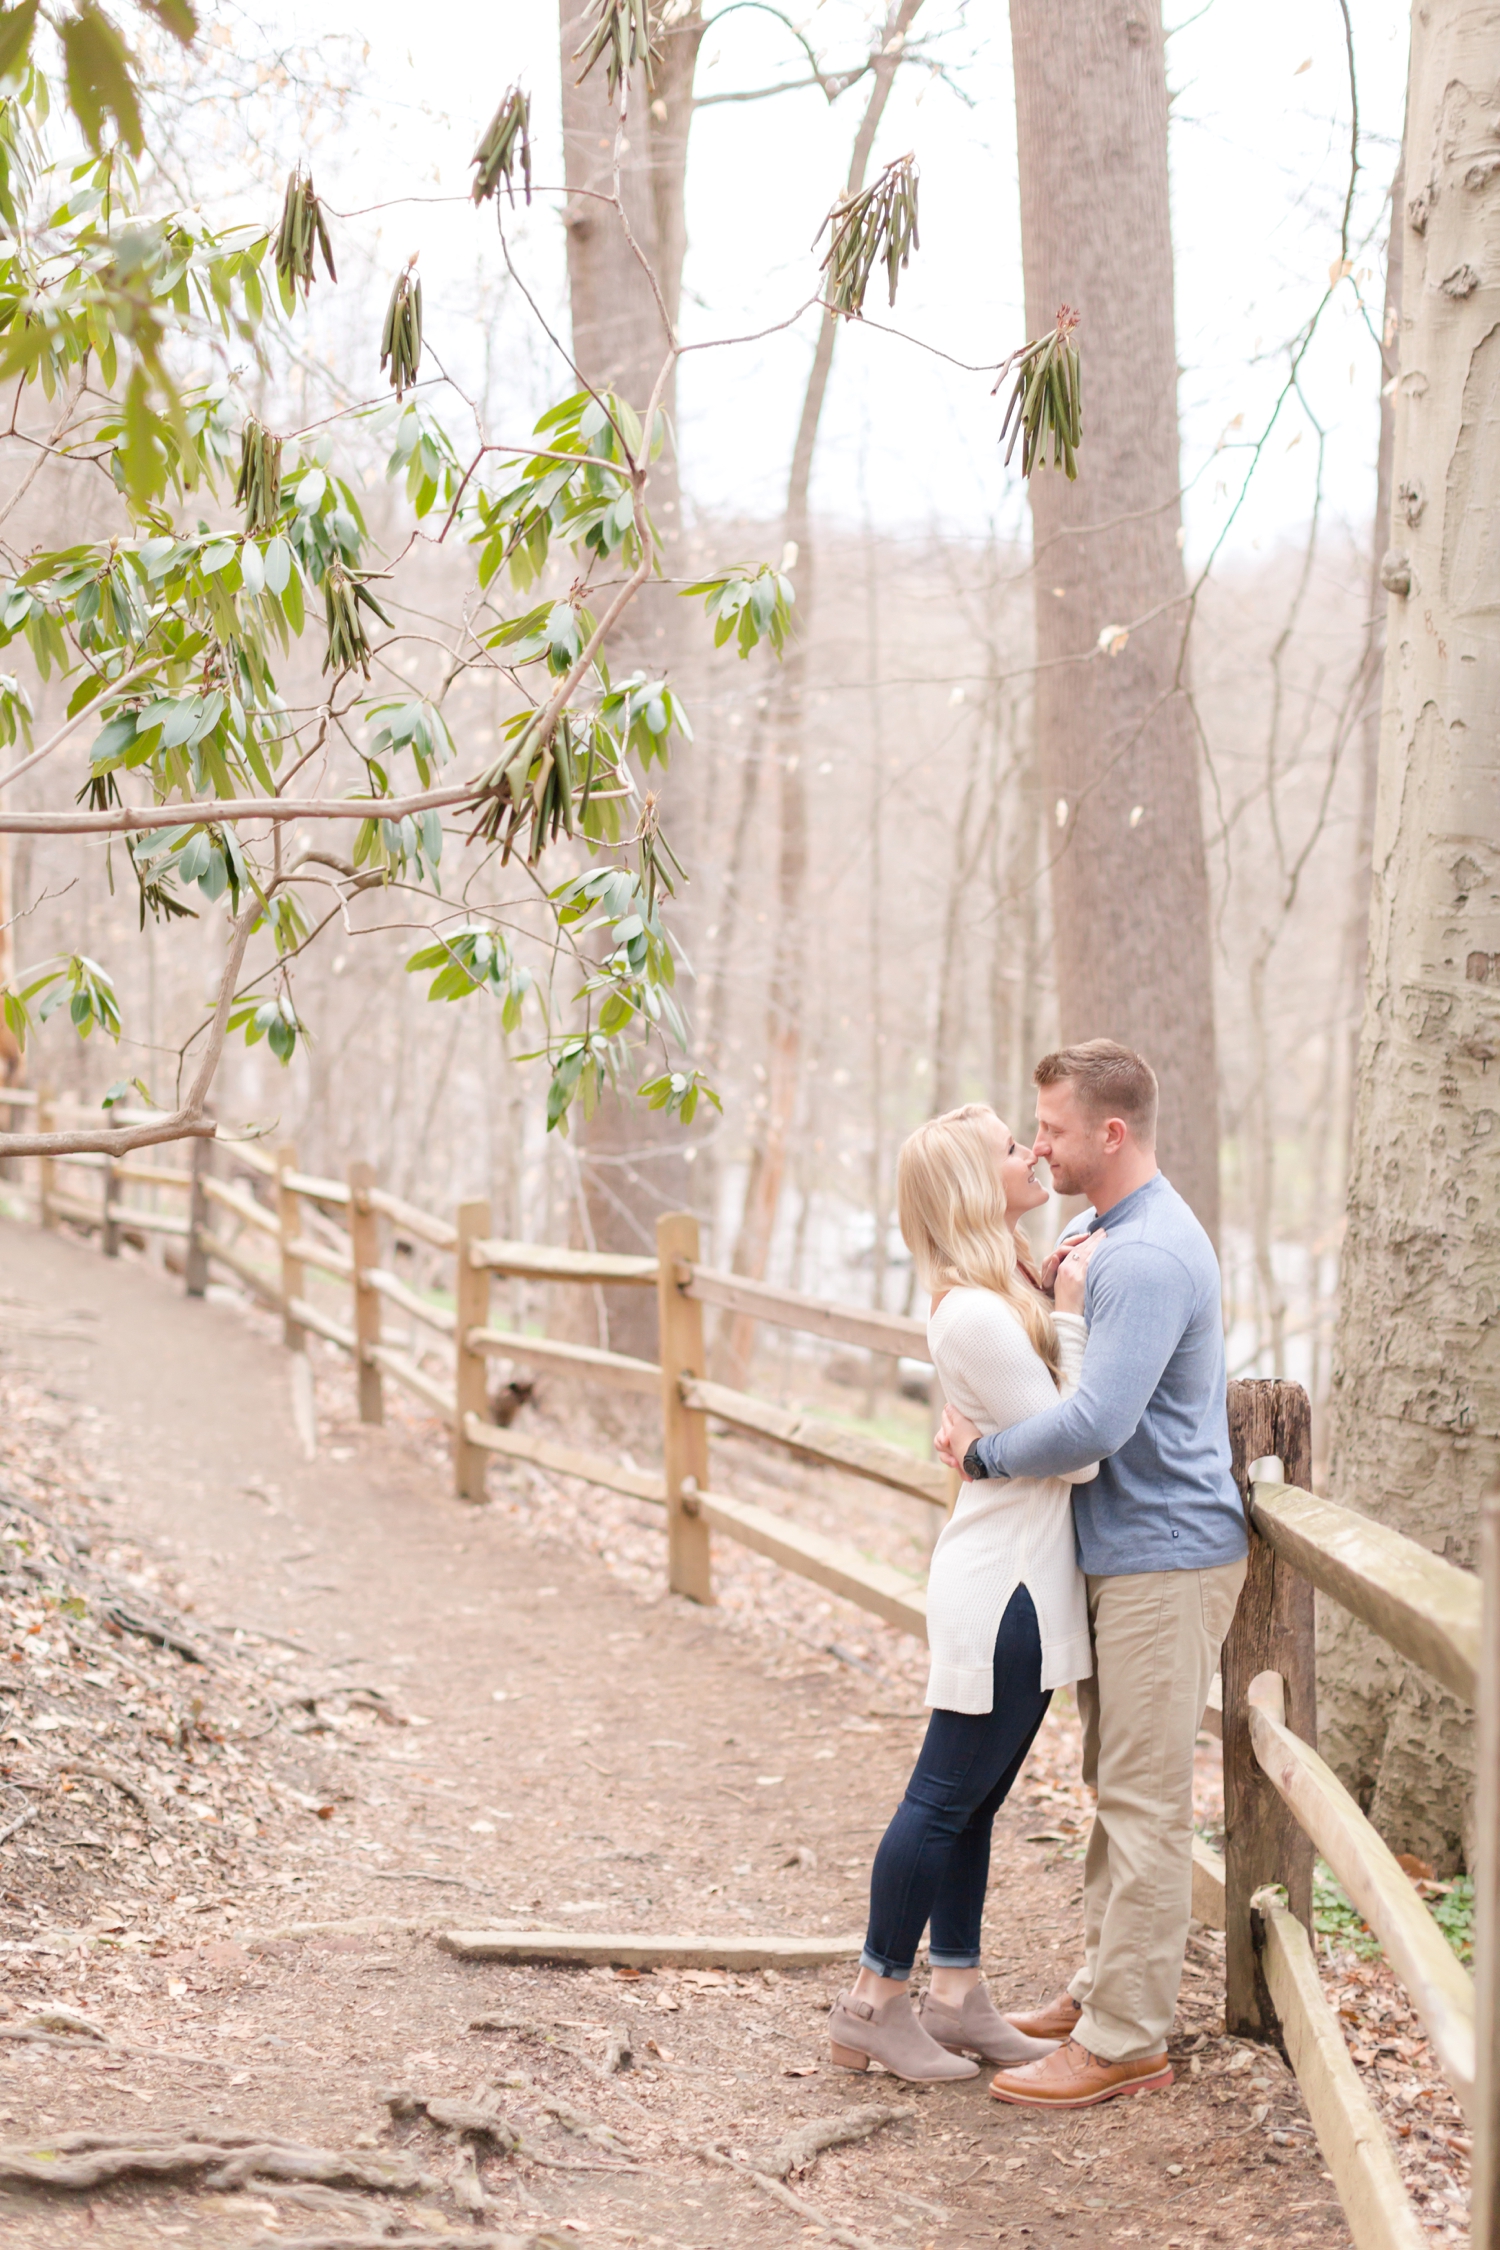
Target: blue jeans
x: 934, y: 1860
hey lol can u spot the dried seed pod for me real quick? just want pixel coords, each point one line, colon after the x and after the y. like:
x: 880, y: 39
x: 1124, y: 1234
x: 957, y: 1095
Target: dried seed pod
x: 259, y: 488
x: 1047, y: 398
x: 401, y: 337
x: 621, y: 32
x: 878, y: 222
x: 506, y: 138
x: 303, y: 231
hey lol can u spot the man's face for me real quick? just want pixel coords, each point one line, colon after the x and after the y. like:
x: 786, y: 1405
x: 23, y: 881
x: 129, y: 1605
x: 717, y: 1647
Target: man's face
x: 1069, y: 1141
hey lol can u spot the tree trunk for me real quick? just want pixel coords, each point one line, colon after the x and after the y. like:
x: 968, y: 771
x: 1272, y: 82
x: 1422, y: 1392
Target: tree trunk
x: 11, y: 1058
x: 1416, y: 1393
x: 1358, y: 939
x: 632, y: 1161
x: 785, y: 729
x: 1115, y: 734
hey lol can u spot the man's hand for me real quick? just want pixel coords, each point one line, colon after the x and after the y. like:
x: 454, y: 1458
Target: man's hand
x: 954, y: 1437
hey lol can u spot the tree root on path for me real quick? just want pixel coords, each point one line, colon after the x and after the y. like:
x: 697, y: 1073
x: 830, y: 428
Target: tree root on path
x: 405, y: 2241
x: 800, y: 2151
x: 478, y: 2121
x: 78, y: 2162
x: 763, y: 2180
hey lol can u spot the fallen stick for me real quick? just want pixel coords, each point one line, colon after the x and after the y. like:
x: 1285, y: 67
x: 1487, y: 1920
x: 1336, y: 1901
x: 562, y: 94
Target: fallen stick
x: 126, y: 1788
x: 763, y: 2180
x: 801, y: 2150
x: 27, y: 1812
x: 422, y: 1875
x: 149, y: 1629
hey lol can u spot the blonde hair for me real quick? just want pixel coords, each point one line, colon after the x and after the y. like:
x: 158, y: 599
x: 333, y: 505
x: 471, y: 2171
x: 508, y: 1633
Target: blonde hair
x: 951, y: 1204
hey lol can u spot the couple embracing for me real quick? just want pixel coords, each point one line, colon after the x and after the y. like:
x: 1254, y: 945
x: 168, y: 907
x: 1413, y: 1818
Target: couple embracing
x: 1098, y: 1539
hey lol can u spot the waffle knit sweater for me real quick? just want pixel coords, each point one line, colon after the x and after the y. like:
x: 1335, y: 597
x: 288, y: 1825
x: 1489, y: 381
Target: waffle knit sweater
x: 1002, y: 1535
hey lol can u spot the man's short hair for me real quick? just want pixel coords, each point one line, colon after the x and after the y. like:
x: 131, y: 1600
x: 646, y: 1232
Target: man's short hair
x: 1111, y: 1081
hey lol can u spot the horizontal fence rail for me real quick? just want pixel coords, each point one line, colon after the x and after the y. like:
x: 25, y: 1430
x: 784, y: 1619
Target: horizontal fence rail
x: 1282, y: 1801
x: 272, y: 1225
x: 1426, y: 1608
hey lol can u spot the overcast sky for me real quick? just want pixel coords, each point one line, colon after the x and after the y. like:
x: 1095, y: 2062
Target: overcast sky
x: 1259, y: 154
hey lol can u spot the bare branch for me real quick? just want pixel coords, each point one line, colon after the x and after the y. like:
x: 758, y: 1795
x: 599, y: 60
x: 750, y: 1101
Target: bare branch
x: 121, y: 820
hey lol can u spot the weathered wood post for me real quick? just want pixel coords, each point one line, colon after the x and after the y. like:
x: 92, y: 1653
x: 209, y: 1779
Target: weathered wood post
x: 46, y: 1166
x: 471, y: 1296
x: 684, y: 1431
x: 289, y: 1213
x: 1485, y: 2211
x: 364, y: 1243
x: 1274, y: 1630
x: 195, y: 1264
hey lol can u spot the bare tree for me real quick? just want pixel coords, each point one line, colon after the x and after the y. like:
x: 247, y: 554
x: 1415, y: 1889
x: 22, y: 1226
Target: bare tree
x: 786, y: 735
x: 1115, y: 733
x: 625, y: 290
x: 1416, y: 1404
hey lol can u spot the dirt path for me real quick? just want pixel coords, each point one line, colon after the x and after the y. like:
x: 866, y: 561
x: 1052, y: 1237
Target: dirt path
x: 578, y: 1752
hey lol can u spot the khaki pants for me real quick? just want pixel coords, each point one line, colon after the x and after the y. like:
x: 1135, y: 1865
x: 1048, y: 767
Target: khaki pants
x: 1157, y: 1637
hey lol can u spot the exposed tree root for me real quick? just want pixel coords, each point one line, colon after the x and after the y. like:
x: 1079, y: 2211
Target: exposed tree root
x: 763, y: 2180
x: 76, y: 2162
x: 800, y: 2151
x: 404, y: 2242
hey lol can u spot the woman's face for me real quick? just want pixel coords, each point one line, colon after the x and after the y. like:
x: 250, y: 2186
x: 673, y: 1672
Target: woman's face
x: 1023, y: 1190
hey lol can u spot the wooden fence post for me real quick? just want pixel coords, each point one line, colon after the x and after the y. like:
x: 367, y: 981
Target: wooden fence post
x: 195, y: 1264
x: 289, y: 1213
x: 684, y: 1431
x: 471, y: 1296
x: 46, y: 1166
x: 364, y: 1244
x: 1485, y: 2212
x: 1274, y: 1630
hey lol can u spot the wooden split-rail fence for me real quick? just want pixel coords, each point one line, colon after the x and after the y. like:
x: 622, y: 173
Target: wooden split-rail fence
x: 1283, y: 1804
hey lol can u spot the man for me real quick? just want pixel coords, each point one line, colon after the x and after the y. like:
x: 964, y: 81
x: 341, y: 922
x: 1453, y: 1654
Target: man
x: 1161, y: 1541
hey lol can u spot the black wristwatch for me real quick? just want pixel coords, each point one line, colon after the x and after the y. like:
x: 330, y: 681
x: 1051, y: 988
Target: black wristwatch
x: 974, y: 1468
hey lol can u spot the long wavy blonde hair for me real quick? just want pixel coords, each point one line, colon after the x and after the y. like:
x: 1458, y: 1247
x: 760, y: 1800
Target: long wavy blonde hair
x: 951, y: 1204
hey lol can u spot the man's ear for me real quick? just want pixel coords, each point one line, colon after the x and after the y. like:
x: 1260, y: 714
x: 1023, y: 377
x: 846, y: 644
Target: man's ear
x: 1115, y: 1135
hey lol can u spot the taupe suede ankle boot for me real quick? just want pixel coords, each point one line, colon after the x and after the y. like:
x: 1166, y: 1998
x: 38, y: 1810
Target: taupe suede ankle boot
x: 978, y: 2028
x: 862, y: 2034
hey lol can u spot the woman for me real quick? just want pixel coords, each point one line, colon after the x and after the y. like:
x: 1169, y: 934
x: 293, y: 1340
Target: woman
x: 1007, y: 1619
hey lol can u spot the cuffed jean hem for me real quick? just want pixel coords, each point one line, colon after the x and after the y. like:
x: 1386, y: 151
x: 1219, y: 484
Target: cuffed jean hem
x: 892, y: 1969
x: 936, y: 1960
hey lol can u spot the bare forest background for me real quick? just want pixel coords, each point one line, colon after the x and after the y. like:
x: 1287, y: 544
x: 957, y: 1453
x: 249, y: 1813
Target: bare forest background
x: 922, y: 922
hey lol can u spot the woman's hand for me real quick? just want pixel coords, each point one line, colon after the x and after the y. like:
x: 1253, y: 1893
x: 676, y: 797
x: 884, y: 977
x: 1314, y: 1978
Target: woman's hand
x: 954, y: 1437
x: 1068, y: 1287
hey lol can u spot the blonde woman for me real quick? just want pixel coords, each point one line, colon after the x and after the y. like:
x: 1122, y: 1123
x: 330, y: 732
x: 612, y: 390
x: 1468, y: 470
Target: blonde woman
x: 1007, y: 1618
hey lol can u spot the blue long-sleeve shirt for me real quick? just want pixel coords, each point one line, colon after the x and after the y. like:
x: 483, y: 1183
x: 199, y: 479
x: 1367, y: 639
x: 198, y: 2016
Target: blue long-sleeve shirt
x: 1150, y: 1406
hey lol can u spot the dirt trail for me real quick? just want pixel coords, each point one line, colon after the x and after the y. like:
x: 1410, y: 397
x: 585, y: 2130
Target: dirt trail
x: 578, y: 1751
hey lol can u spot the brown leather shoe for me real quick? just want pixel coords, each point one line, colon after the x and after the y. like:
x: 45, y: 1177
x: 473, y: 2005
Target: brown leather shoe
x: 1072, y: 2078
x: 1058, y: 2020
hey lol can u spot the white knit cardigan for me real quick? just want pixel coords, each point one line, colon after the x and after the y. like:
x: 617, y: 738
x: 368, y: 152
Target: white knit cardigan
x: 1002, y: 1533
